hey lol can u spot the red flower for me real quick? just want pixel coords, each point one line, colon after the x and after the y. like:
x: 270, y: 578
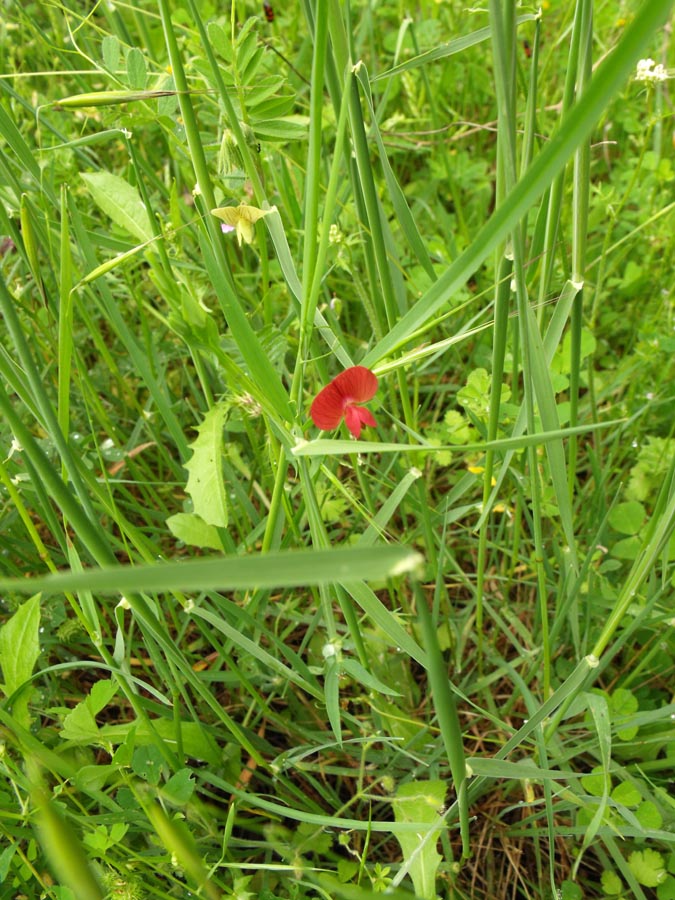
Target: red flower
x: 340, y: 399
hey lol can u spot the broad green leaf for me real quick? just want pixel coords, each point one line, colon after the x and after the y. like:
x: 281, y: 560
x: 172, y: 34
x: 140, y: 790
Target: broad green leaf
x: 666, y: 890
x: 649, y: 816
x: 121, y: 202
x: 110, y: 50
x: 648, y: 867
x: 179, y: 788
x: 197, y: 741
x: 611, y: 883
x: 290, y: 128
x: 19, y: 651
x: 626, y: 794
x: 194, y: 531
x: 80, y: 724
x: 627, y: 518
x: 137, y: 70
x: 205, y: 484
x: 420, y: 801
x: 623, y: 703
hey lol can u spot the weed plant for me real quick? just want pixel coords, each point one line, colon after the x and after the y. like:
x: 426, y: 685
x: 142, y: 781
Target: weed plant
x: 244, y: 658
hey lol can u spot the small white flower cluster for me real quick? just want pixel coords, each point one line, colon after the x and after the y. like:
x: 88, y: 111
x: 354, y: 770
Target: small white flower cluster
x: 648, y: 70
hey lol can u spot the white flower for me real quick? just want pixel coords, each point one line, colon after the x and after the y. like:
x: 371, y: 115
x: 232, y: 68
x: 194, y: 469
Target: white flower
x: 648, y: 70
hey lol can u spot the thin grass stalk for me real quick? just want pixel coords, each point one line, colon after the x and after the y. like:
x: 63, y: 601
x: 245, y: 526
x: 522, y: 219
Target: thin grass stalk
x: 446, y: 713
x: 65, y: 339
x: 499, y: 342
x: 17, y: 503
x: 48, y: 417
x: 142, y: 365
x: 311, y: 292
x: 505, y: 85
x: 580, y: 200
x: 377, y: 227
x: 554, y: 200
x: 313, y: 165
x: 530, y: 126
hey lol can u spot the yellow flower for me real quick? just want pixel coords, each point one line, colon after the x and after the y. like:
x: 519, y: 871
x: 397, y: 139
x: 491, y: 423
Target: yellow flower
x: 242, y: 218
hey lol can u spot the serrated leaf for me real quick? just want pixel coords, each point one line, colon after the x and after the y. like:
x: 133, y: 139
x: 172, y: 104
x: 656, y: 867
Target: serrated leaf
x: 120, y: 201
x: 194, y: 531
x: 420, y: 801
x: 19, y: 651
x: 205, y: 483
x: 648, y: 867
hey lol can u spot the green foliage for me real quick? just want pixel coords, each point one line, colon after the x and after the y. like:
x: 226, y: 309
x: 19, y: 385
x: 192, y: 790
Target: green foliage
x: 260, y: 661
x: 420, y: 801
x: 19, y: 652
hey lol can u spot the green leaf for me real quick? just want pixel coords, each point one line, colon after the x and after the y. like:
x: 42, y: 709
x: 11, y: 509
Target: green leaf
x: 627, y: 518
x: 624, y: 704
x: 274, y: 570
x: 290, y: 128
x: 179, y: 788
x: 649, y: 816
x: 562, y: 360
x: 626, y: 794
x: 648, y: 867
x: 666, y: 890
x: 197, y: 741
x: 19, y: 651
x: 121, y: 202
x: 205, y: 484
x: 110, y: 50
x: 137, y: 70
x: 80, y: 724
x: 193, y: 530
x: 148, y: 763
x: 628, y: 548
x: 6, y: 860
x: 594, y: 782
x: 420, y: 801
x: 364, y: 677
x: 611, y: 883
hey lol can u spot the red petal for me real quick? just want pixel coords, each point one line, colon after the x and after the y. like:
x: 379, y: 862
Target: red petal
x: 356, y: 383
x: 356, y: 417
x: 327, y: 408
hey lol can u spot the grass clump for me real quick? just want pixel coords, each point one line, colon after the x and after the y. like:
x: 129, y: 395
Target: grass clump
x: 240, y: 657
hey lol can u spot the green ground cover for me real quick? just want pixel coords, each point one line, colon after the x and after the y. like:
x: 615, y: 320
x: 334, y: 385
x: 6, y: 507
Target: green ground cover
x: 244, y: 657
